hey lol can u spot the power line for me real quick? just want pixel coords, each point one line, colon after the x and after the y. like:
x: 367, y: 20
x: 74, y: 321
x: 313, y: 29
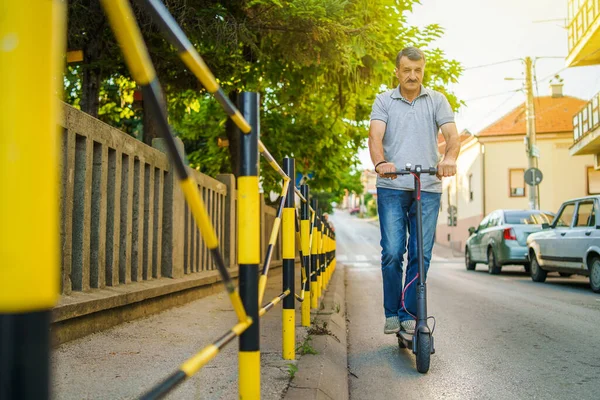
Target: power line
x: 492, y: 95
x: 492, y: 64
x: 565, y: 68
x: 489, y: 113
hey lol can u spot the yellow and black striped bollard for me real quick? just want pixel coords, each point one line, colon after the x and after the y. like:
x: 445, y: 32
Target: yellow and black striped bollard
x: 319, y: 254
x: 32, y: 43
x: 305, y: 235
x: 249, y: 247
x: 314, y: 259
x: 288, y: 235
x: 325, y: 258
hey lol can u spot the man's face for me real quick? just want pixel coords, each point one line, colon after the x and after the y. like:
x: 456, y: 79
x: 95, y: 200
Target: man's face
x: 410, y: 73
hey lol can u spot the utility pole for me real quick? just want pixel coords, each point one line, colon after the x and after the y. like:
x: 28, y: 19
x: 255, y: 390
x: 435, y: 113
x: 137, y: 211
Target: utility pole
x: 530, y: 146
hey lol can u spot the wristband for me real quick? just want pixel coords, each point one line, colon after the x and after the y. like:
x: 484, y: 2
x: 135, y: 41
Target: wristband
x: 379, y: 163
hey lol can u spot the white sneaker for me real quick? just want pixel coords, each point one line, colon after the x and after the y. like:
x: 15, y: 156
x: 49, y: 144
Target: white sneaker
x: 408, y: 326
x: 392, y: 325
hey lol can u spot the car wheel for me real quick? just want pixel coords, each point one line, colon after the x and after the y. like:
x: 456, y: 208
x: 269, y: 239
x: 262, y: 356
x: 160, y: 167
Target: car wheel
x: 493, y: 267
x: 537, y: 273
x: 528, y: 268
x: 565, y: 274
x: 468, y: 262
x: 595, y: 274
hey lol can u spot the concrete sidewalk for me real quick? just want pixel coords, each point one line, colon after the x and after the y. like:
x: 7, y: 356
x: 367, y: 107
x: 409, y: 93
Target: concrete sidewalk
x: 125, y: 361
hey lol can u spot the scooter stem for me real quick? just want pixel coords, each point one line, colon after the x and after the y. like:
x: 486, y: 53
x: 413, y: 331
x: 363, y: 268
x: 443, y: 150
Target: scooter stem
x: 421, y: 287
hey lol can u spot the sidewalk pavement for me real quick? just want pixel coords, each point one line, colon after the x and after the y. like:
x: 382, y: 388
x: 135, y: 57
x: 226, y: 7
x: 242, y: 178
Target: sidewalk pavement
x: 125, y: 361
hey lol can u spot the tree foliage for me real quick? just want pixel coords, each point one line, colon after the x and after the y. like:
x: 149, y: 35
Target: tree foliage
x: 317, y: 65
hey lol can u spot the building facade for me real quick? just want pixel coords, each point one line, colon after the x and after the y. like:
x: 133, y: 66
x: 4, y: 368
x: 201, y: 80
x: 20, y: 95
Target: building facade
x: 491, y: 167
x: 584, y: 49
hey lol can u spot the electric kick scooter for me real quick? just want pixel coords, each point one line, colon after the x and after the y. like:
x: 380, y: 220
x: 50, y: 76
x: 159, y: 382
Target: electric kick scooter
x: 421, y: 342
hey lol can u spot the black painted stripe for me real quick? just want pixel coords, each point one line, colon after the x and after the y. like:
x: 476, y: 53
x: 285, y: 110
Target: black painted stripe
x: 218, y: 259
x: 152, y: 94
x: 165, y: 386
x: 167, y: 23
x: 225, y: 102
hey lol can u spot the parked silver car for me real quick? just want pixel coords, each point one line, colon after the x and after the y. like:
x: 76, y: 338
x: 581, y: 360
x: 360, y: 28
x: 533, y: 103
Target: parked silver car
x: 571, y: 244
x: 501, y: 238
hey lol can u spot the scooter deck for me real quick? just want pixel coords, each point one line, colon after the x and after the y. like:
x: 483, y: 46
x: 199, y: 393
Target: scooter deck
x: 406, y: 337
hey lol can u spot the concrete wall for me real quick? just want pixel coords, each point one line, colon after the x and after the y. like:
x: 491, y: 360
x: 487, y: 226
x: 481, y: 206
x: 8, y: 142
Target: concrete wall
x: 128, y: 237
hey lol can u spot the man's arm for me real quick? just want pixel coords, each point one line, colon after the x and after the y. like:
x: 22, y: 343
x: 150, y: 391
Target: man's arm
x: 376, y: 133
x: 447, y: 167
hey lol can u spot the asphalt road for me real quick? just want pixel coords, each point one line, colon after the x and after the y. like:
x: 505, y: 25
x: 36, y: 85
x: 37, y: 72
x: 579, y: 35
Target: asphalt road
x: 497, y: 337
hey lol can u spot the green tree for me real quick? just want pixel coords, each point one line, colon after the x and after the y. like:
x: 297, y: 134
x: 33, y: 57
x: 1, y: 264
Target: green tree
x: 317, y: 65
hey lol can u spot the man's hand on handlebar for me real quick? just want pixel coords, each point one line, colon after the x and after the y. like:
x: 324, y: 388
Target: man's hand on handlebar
x: 446, y: 168
x: 383, y: 169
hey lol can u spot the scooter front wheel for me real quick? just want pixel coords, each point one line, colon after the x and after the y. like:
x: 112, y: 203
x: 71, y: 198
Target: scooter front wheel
x: 423, y: 352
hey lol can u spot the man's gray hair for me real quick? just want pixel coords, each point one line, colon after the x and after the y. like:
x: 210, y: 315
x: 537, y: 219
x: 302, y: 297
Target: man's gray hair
x: 412, y: 53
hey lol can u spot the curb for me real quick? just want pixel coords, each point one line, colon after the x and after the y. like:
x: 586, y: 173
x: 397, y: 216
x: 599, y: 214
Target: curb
x: 325, y: 375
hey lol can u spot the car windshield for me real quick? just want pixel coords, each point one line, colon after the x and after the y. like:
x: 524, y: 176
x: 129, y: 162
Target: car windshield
x: 527, y: 217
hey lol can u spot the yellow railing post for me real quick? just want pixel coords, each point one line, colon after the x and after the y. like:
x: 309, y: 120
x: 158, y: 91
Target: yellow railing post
x: 325, y: 255
x: 314, y: 260
x: 288, y: 235
x: 32, y: 38
x: 320, y: 259
x: 305, y: 235
x: 249, y: 247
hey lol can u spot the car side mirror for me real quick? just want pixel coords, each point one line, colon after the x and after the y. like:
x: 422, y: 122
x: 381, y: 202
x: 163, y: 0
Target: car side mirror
x: 545, y: 225
x: 472, y: 230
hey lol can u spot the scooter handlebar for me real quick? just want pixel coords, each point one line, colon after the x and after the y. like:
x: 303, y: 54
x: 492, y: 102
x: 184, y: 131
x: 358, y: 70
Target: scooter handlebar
x: 417, y: 169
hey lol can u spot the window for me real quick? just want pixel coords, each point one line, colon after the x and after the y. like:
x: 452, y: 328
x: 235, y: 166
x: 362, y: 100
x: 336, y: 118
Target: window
x: 483, y: 224
x: 470, y: 183
x: 517, y: 182
x: 528, y: 217
x: 585, y: 214
x: 593, y: 181
x: 491, y: 220
x: 566, y: 216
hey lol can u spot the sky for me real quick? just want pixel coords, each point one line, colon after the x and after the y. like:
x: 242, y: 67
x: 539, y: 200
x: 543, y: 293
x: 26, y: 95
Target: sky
x: 480, y: 32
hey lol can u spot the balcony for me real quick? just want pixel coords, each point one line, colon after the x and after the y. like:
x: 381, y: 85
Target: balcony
x: 584, y: 33
x: 586, y: 129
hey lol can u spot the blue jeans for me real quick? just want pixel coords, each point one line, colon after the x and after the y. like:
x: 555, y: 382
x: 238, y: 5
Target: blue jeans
x: 397, y: 217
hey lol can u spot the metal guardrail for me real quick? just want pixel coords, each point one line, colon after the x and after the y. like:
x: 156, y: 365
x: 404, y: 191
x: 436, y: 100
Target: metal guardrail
x: 246, y: 302
x: 28, y: 293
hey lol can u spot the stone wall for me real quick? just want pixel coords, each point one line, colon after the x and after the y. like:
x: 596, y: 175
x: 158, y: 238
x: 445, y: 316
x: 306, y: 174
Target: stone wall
x: 129, y: 243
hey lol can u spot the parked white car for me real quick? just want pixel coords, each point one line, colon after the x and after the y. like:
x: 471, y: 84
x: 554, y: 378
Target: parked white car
x: 570, y: 244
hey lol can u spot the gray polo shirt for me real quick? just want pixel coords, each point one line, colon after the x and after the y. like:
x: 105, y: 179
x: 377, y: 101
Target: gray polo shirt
x: 411, y: 134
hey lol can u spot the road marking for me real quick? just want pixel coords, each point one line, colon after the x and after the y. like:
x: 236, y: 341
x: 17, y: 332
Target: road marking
x: 361, y: 257
x: 342, y: 257
x: 376, y: 258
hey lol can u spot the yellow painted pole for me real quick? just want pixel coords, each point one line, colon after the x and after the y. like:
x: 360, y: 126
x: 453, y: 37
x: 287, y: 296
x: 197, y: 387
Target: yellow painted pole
x: 288, y: 235
x: 249, y: 248
x: 305, y: 243
x: 319, y: 254
x: 32, y: 47
x: 314, y: 260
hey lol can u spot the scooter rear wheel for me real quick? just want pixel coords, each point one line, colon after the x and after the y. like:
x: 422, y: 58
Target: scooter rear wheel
x: 423, y: 352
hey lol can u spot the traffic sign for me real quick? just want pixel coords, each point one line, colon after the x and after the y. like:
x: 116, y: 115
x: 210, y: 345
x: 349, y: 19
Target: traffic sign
x: 533, y: 176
